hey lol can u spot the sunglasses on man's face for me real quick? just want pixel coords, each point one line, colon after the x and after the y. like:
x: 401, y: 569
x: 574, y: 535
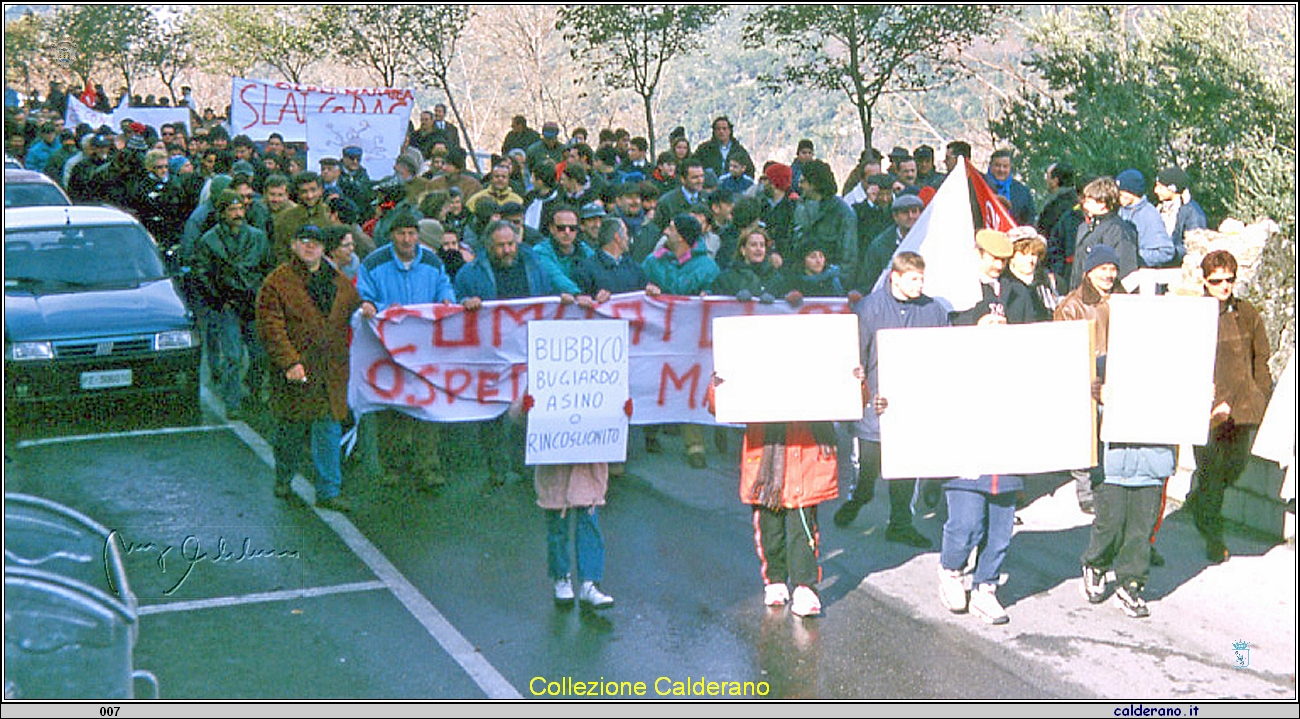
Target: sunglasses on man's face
x: 1220, y: 280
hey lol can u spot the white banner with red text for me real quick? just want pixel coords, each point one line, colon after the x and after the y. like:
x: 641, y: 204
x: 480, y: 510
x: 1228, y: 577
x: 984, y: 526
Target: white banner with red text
x: 444, y: 364
x: 259, y: 107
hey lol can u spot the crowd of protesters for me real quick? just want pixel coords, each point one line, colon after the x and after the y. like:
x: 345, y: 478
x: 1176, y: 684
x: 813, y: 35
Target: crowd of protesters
x: 584, y: 218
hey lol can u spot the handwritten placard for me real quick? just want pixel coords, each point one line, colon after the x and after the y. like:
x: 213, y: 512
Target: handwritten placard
x: 578, y: 379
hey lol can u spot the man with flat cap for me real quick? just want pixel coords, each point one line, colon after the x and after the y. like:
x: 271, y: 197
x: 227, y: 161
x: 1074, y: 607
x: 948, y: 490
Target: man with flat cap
x: 906, y: 209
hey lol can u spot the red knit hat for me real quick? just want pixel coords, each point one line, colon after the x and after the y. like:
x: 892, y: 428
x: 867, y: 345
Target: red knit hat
x: 779, y: 175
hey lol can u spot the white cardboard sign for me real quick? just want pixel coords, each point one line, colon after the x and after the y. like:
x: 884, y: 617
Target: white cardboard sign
x: 1004, y: 399
x: 578, y: 379
x: 795, y: 368
x: 1160, y: 369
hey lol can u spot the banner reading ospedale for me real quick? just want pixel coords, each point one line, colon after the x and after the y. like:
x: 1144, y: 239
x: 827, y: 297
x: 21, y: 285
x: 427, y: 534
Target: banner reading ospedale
x: 444, y: 364
x: 259, y: 108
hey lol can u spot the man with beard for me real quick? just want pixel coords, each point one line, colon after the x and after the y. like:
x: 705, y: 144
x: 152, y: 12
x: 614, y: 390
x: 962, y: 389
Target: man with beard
x: 505, y: 270
x: 311, y: 210
x: 229, y: 263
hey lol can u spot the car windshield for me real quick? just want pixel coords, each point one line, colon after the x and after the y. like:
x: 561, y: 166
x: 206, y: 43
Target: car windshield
x: 88, y: 256
x: 33, y: 194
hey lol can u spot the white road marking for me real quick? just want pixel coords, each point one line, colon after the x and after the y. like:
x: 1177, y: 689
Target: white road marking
x: 24, y: 444
x: 493, y: 684
x: 260, y: 598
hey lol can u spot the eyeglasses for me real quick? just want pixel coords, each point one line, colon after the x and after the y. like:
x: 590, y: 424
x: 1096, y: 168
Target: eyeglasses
x: 566, y: 228
x: 1219, y: 280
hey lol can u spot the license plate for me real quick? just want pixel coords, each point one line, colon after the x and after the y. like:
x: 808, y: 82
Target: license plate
x: 106, y: 379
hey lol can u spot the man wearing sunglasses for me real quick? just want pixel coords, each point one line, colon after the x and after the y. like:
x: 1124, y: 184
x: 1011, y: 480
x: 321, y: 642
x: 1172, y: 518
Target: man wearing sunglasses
x: 562, y: 250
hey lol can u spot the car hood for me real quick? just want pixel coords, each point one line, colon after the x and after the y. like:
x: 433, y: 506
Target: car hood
x: 152, y: 307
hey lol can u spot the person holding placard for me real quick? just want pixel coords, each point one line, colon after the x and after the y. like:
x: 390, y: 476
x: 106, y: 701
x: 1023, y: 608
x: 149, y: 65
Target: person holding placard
x: 1089, y: 302
x: 981, y: 509
x: 1242, y: 385
x: 786, y: 470
x: 899, y: 304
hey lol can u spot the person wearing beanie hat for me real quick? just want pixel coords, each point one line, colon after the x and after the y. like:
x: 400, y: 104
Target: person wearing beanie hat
x: 1102, y: 225
x: 779, y: 175
x: 1089, y: 301
x: 1126, y: 490
x: 1177, y: 208
x: 228, y: 264
x: 404, y: 272
x: 430, y: 233
x: 1155, y: 247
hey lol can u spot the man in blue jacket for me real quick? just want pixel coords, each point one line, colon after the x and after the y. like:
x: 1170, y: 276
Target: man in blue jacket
x: 504, y: 270
x: 1000, y: 181
x: 403, y: 272
x: 1155, y: 248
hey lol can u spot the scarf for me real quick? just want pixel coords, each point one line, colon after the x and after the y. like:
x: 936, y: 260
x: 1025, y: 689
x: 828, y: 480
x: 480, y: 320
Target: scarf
x: 1002, y: 188
x: 770, y: 485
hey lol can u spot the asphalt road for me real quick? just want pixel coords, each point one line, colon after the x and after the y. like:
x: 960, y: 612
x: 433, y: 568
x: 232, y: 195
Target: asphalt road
x: 243, y: 596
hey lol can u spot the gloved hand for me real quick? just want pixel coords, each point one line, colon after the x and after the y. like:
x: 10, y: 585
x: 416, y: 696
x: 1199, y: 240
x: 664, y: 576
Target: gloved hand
x: 627, y: 407
x: 766, y: 299
x: 744, y: 295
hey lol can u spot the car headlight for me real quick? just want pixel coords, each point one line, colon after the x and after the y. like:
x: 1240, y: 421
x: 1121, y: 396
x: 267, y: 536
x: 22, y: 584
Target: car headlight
x: 173, y: 340
x: 25, y: 351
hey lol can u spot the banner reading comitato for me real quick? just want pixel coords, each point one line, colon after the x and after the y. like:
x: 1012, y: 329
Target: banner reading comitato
x: 445, y: 364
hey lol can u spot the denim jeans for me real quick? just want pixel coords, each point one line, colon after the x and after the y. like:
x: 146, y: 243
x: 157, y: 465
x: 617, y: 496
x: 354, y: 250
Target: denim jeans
x: 976, y: 519
x: 325, y: 436
x: 589, y: 543
x: 233, y: 349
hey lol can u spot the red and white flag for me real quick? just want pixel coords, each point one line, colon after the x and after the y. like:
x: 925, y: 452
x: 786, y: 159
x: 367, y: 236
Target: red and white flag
x: 944, y: 235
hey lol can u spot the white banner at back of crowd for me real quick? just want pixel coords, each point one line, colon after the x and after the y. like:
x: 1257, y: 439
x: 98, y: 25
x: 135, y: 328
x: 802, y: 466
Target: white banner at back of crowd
x: 442, y: 363
x: 154, y: 117
x: 577, y: 377
x: 379, y: 137
x: 259, y: 108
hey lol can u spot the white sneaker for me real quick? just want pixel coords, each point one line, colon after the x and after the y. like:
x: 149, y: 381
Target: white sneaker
x: 984, y: 604
x: 776, y: 595
x: 564, y: 591
x: 591, y: 596
x: 952, y: 590
x: 806, y: 603
x: 1094, y: 585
